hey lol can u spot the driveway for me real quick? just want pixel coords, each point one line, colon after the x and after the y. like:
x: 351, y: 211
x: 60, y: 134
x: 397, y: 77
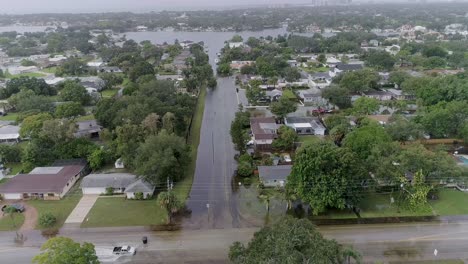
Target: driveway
x: 82, y: 209
x: 30, y: 218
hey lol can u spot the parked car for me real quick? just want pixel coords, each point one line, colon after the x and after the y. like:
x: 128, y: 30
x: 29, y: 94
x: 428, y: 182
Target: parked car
x: 124, y: 250
x: 287, y: 158
x: 250, y: 143
x: 18, y: 207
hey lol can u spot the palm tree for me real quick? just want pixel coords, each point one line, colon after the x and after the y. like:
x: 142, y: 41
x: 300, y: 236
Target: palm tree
x: 169, y: 202
x: 348, y: 253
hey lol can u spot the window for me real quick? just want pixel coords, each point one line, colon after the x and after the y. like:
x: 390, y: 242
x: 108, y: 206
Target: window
x: 51, y: 194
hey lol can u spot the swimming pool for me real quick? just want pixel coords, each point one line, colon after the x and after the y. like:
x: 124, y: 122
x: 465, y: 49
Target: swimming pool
x: 463, y: 160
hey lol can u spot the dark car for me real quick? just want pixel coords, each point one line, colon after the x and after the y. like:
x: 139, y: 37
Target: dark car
x: 18, y: 207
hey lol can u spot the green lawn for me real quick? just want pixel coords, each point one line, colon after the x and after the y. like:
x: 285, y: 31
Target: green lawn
x: 15, y: 167
x: 29, y: 74
x: 60, y: 209
x: 451, y: 202
x: 309, y: 139
x: 289, y: 94
x: 85, y: 118
x: 182, y: 188
x: 109, y: 92
x: 3, y: 180
x: 117, y: 211
x: 6, y: 224
x: 9, y: 117
x: 50, y: 70
x: 379, y: 205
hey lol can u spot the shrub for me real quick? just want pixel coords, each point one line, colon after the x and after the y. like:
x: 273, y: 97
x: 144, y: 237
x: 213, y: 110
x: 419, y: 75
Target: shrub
x: 139, y: 196
x: 47, y: 220
x: 109, y: 191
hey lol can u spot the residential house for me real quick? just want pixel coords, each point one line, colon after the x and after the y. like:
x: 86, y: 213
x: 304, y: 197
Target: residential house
x: 237, y: 65
x: 121, y: 183
x: 109, y: 69
x: 47, y: 183
x: 186, y: 44
x: 319, y: 80
x: 90, y: 129
x: 273, y: 95
x: 305, y: 125
x: 293, y: 63
x: 264, y: 131
x: 235, y: 44
x: 400, y: 95
x: 9, y: 134
x: 381, y: 119
x: 342, y: 67
x: 374, y: 42
x: 379, y: 95
x: 311, y: 98
x: 95, y: 64
x: 274, y: 176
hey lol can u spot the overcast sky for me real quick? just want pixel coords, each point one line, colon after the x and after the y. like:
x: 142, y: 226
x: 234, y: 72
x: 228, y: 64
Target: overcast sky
x: 74, y: 6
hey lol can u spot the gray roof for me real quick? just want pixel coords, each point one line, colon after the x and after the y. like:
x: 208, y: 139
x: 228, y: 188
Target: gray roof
x: 280, y: 172
x: 349, y: 67
x: 298, y: 119
x: 139, y: 186
x: 115, y: 180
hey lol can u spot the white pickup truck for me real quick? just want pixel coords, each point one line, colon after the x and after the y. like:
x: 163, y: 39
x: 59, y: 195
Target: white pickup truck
x: 124, y: 250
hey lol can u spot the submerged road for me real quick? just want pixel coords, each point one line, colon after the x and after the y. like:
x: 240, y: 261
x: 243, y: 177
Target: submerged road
x: 211, y: 200
x: 389, y: 242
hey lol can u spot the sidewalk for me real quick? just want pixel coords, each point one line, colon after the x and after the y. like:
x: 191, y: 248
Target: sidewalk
x: 82, y: 209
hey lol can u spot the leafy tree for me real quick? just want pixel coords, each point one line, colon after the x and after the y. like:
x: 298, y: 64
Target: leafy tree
x: 168, y: 122
x: 290, y: 241
x: 401, y: 129
x: 322, y: 58
x: 238, y: 132
x: 151, y: 124
x: 212, y: 83
x: 237, y: 38
x: 169, y: 202
x: 338, y: 96
x: 10, y: 153
x: 72, y: 67
x: 129, y: 138
x: 398, y: 77
x: 254, y: 94
x: 98, y: 158
x: 38, y: 86
x: 291, y: 74
x: 27, y: 100
x: 32, y: 125
x: 283, y: 107
x: 362, y: 139
x: 326, y: 176
x: 58, y: 131
x: 248, y: 69
x: 286, y: 138
x: 434, y: 51
x: 445, y: 119
x: 47, y: 220
x: 380, y: 59
x: 140, y: 69
x: 75, y: 92
x: 224, y: 69
x: 110, y: 79
x: 161, y: 156
x: 60, y: 250
x: 365, y: 106
x: 416, y: 193
x: 69, y: 110
x: 359, y: 81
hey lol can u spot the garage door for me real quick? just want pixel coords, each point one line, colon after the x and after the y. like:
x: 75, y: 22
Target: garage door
x: 13, y: 196
x: 94, y: 190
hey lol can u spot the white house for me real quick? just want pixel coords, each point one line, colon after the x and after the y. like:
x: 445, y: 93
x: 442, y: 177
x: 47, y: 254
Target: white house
x: 235, y: 44
x: 121, y: 183
x: 305, y: 125
x: 9, y: 134
x: 379, y: 95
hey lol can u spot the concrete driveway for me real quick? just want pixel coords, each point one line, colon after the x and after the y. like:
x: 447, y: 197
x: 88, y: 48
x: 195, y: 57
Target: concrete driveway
x: 82, y: 209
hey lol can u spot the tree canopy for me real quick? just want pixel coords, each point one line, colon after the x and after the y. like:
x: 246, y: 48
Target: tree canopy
x: 63, y: 250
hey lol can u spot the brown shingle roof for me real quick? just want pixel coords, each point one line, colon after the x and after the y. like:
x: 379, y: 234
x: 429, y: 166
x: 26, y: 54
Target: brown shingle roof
x: 41, y: 183
x: 258, y: 131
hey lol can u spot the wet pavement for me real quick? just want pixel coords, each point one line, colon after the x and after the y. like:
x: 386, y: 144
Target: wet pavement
x: 389, y: 242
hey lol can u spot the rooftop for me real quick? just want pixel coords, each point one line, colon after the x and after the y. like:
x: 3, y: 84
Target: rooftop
x: 280, y: 172
x: 42, y: 180
x: 114, y: 180
x: 264, y: 127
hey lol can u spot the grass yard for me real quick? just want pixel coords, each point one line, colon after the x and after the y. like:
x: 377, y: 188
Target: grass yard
x: 109, y: 93
x: 309, y: 139
x: 15, y: 167
x: 50, y: 70
x: 289, y: 94
x: 6, y: 224
x: 3, y: 180
x: 182, y: 188
x: 28, y: 74
x: 379, y: 205
x: 451, y: 202
x: 117, y: 211
x: 85, y: 118
x: 9, y: 117
x: 60, y: 209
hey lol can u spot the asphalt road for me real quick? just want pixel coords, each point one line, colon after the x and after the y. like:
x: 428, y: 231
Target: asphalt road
x: 211, y: 200
x: 390, y: 242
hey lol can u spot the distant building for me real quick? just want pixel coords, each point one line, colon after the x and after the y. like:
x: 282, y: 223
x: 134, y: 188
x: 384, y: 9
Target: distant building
x: 305, y: 125
x: 90, y: 129
x: 9, y: 134
x: 235, y: 44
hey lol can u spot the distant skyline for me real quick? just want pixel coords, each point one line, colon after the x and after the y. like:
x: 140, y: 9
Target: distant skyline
x: 91, y: 6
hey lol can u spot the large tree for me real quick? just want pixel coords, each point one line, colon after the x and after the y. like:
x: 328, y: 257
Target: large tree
x: 169, y: 202
x: 283, y: 107
x: 359, y: 81
x: 32, y: 125
x: 362, y: 139
x: 69, y: 110
x: 63, y: 250
x: 162, y: 156
x: 338, y: 96
x: 326, y: 176
x: 286, y: 138
x: 381, y: 60
x: 238, y: 131
x: 75, y: 92
x: 365, y: 106
x: 38, y: 86
x: 291, y: 241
